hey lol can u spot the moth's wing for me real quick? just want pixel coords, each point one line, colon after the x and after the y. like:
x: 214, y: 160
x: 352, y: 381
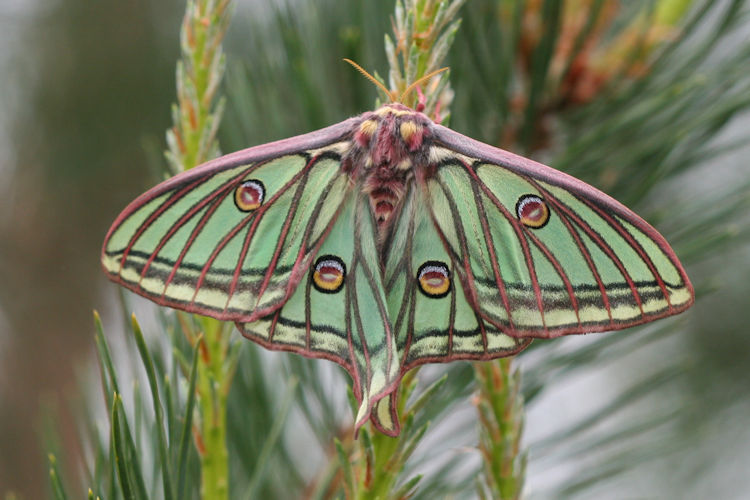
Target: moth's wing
x: 198, y: 242
x: 433, y: 320
x: 347, y: 323
x: 542, y: 254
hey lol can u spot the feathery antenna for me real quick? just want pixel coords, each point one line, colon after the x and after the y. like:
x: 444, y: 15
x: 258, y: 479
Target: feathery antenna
x: 423, y: 79
x: 391, y: 95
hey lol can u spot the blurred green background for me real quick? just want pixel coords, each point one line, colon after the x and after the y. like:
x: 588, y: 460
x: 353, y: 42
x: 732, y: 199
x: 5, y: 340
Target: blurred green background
x: 85, y: 94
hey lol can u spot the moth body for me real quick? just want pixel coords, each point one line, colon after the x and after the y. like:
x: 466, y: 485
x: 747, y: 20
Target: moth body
x: 390, y: 146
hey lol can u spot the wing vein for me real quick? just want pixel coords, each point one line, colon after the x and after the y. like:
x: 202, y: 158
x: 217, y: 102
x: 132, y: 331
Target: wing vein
x: 584, y: 251
x: 194, y: 233
x: 255, y: 217
x: 308, y: 313
x: 493, y: 254
x: 520, y: 234
x: 408, y: 297
x: 173, y: 198
x: 279, y: 244
x: 360, y: 329
x: 382, y: 308
x: 467, y: 265
x: 351, y: 282
x: 412, y: 290
x: 598, y: 240
x: 467, y: 277
x: 183, y: 219
x: 634, y: 245
x: 560, y: 271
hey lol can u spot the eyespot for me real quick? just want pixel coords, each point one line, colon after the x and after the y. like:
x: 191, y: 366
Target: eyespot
x: 249, y: 195
x: 328, y: 274
x: 434, y: 279
x: 532, y: 211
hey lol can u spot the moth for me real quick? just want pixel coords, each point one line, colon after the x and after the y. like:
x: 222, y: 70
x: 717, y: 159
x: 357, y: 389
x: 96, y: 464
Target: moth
x: 387, y: 241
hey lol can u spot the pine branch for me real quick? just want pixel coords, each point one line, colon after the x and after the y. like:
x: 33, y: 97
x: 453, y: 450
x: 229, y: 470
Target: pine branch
x: 197, y: 113
x: 192, y: 141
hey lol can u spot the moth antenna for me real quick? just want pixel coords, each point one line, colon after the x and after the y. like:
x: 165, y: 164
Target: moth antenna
x: 391, y: 95
x: 424, y: 78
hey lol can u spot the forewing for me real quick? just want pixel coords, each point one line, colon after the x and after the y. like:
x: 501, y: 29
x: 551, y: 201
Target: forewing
x: 232, y: 238
x: 542, y: 254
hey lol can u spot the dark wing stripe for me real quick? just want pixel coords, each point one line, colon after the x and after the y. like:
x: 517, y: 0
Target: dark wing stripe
x: 499, y: 282
x: 468, y: 276
x: 524, y: 244
x: 255, y: 217
x: 305, y: 244
x: 634, y: 244
x: 371, y: 282
x: 410, y: 325
x: 451, y: 321
x: 358, y: 325
x: 196, y: 230
x: 598, y: 240
x: 308, y: 313
x: 278, y: 345
x: 560, y: 271
x: 279, y: 244
x: 589, y: 260
x: 174, y: 198
x: 468, y: 356
x: 349, y: 338
x: 221, y: 192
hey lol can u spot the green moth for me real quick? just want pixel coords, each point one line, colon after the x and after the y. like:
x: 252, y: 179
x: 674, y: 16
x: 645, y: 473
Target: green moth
x: 387, y: 241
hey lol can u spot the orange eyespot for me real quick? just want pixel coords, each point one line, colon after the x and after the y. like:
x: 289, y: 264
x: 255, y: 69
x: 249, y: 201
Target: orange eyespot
x: 328, y: 274
x: 249, y: 195
x: 434, y: 279
x: 532, y: 211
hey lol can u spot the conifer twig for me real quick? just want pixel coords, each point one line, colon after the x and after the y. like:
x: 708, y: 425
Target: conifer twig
x: 192, y: 141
